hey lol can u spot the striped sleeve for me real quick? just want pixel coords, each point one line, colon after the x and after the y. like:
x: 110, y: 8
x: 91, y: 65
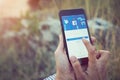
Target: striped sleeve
x: 52, y: 77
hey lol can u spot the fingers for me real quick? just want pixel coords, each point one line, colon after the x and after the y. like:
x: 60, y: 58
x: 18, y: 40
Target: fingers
x: 61, y: 44
x: 104, y: 55
x: 91, y: 51
x: 62, y: 63
x: 93, y: 39
x: 77, y: 68
x: 59, y: 51
x: 102, y: 62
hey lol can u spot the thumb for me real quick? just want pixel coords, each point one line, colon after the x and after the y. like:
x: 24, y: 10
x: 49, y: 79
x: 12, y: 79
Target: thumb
x: 62, y: 63
x: 79, y: 74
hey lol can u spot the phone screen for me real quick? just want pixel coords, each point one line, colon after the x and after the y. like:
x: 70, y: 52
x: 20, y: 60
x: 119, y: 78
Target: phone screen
x: 75, y: 29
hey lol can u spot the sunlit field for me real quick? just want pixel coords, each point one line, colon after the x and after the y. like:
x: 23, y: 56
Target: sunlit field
x: 28, y: 42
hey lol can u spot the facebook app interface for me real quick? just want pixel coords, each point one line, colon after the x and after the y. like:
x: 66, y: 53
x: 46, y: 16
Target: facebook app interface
x: 75, y: 29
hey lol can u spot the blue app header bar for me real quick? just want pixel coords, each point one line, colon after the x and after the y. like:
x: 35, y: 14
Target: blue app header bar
x: 74, y: 22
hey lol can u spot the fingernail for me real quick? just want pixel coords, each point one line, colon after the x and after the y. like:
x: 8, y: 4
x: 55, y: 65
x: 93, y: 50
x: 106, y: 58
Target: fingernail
x: 73, y: 59
x: 84, y: 39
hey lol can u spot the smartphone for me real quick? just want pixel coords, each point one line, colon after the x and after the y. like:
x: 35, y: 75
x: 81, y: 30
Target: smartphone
x: 75, y: 28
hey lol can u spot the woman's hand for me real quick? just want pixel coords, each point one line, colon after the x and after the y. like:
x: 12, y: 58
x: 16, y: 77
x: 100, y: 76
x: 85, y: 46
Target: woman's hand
x: 96, y: 69
x: 96, y: 66
x: 63, y: 68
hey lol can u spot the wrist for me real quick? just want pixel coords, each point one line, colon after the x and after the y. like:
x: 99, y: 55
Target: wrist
x: 61, y: 76
x: 58, y: 77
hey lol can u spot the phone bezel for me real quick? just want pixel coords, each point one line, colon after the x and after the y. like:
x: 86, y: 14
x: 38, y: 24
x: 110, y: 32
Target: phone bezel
x: 83, y: 61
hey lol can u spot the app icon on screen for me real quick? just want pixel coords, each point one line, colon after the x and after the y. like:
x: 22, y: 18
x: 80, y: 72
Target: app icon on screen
x: 66, y: 21
x: 81, y: 18
x: 74, y: 23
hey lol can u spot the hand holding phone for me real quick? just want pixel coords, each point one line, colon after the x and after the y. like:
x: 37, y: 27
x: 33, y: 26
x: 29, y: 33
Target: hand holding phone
x: 74, y: 29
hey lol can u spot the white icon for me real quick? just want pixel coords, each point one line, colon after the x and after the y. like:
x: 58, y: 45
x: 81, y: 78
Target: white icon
x: 66, y: 21
x: 74, y: 23
x: 83, y: 23
x: 81, y: 19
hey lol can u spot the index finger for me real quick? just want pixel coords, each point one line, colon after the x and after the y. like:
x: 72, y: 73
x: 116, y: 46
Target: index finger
x: 91, y: 53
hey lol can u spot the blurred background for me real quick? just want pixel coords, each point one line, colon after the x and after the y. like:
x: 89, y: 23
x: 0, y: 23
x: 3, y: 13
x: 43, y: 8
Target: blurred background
x: 29, y: 32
